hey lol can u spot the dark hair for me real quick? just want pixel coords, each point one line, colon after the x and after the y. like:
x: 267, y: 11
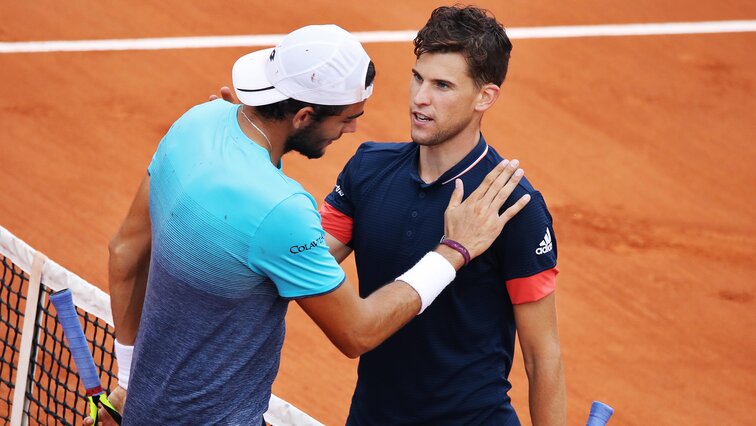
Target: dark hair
x: 287, y: 107
x: 471, y: 31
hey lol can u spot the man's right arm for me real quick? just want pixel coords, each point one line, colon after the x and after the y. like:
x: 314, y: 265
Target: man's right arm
x: 128, y: 266
x: 356, y: 325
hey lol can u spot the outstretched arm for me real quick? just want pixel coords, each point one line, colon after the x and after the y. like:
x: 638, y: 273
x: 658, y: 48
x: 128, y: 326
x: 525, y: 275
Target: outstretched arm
x: 357, y: 325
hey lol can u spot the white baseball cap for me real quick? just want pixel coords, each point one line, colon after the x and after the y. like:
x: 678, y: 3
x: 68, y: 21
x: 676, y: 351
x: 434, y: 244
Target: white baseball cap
x: 318, y: 64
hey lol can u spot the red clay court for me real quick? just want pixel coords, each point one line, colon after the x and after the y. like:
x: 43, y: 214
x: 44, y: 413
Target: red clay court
x: 643, y: 147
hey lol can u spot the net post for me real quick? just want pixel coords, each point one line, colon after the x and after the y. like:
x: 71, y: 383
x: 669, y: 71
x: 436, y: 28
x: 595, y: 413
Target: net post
x: 27, y: 338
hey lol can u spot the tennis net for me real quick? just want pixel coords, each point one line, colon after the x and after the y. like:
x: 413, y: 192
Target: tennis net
x: 38, y: 381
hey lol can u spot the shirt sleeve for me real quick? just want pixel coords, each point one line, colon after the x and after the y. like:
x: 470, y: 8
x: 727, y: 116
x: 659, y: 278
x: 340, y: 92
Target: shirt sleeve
x: 532, y: 288
x: 342, y: 197
x: 164, y: 147
x: 527, y: 252
x: 336, y: 223
x: 156, y: 159
x: 289, y: 247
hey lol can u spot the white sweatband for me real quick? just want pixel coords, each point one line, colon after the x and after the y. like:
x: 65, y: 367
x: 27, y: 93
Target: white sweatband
x: 429, y: 277
x: 123, y: 355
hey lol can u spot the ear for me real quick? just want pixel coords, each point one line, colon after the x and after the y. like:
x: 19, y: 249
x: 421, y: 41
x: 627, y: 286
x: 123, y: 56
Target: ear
x: 303, y: 118
x: 487, y: 96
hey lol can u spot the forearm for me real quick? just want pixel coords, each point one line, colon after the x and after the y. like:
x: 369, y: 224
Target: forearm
x: 128, y: 267
x: 546, y: 396
x: 394, y: 305
x: 356, y: 325
x: 379, y: 316
x: 539, y: 340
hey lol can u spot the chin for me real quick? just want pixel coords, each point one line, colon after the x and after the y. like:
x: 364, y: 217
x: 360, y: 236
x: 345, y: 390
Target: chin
x: 417, y: 138
x: 424, y: 140
x: 313, y: 154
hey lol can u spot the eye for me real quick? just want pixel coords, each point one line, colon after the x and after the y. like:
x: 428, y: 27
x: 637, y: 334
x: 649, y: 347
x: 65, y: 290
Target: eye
x: 442, y: 85
x: 416, y: 76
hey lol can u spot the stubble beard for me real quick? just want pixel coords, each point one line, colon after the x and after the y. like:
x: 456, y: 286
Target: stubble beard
x: 440, y: 136
x: 306, y: 141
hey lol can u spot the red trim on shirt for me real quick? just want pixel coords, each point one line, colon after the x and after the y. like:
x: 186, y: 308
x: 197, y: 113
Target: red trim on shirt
x: 336, y: 223
x: 532, y: 288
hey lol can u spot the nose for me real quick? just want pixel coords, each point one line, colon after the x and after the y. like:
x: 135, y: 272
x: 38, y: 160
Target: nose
x: 350, y: 127
x: 420, y: 97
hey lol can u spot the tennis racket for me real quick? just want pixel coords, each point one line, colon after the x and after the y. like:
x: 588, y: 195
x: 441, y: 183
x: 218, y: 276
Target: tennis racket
x: 600, y: 414
x: 77, y: 344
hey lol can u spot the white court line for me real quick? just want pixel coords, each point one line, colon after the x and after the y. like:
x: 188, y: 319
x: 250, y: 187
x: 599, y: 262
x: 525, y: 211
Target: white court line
x: 376, y: 37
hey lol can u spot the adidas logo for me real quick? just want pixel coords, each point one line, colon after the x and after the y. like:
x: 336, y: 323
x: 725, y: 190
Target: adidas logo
x: 545, y: 245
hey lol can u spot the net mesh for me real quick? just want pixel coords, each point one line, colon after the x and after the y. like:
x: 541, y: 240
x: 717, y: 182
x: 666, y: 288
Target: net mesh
x: 53, y: 393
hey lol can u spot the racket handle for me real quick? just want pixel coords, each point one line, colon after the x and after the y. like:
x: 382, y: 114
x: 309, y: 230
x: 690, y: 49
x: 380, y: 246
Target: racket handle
x: 600, y: 414
x: 77, y: 342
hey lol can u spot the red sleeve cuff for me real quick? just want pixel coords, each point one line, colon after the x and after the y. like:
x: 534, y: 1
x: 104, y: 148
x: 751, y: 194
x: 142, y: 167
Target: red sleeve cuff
x: 532, y: 288
x: 336, y: 223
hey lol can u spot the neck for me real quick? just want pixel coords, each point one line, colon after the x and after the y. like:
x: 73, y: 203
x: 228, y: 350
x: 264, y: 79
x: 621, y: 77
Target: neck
x: 435, y: 160
x: 268, y: 134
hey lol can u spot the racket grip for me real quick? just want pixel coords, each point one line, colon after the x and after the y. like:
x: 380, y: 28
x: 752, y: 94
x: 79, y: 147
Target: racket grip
x: 600, y: 414
x: 77, y: 342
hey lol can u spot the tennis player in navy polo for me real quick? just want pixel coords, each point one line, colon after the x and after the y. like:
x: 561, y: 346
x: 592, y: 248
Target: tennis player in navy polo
x: 450, y: 365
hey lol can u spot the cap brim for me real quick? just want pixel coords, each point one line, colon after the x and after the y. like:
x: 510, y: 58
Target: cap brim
x: 250, y: 83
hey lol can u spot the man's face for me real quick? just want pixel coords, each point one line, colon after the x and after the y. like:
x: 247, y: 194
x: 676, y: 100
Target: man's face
x: 442, y: 98
x: 312, y: 140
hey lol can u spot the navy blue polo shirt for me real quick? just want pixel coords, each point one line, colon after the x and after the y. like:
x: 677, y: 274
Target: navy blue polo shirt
x: 449, y: 365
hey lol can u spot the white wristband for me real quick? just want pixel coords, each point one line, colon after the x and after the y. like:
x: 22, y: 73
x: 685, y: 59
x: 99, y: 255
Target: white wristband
x: 123, y: 355
x: 429, y: 277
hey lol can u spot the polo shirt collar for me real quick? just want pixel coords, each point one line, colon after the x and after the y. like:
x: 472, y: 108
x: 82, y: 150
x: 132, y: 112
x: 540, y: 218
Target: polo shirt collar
x: 475, y: 156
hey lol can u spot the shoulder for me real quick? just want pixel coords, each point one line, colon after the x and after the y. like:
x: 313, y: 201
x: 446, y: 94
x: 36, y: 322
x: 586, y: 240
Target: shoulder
x: 294, y: 203
x: 199, y: 123
x: 209, y: 109
x: 384, y: 148
x: 288, y: 217
x: 490, y: 161
x: 372, y: 158
x: 276, y: 195
x: 536, y: 211
x: 376, y: 152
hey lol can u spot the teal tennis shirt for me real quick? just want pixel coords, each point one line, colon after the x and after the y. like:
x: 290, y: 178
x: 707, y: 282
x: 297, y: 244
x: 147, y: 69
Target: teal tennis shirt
x: 233, y: 240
